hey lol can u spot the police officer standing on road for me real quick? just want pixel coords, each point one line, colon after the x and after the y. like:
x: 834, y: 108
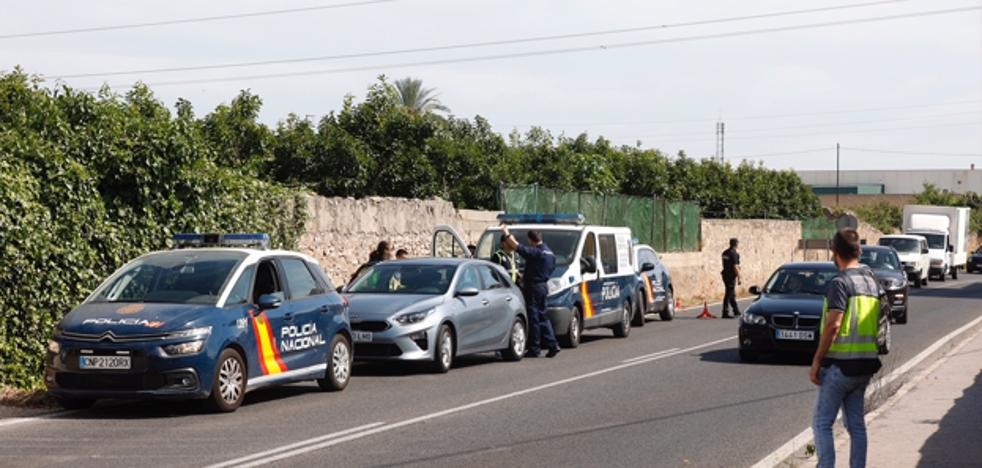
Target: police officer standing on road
x: 731, y: 278
x: 540, y: 262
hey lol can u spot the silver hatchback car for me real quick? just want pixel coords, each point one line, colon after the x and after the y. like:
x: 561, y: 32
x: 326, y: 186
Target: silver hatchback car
x: 435, y: 309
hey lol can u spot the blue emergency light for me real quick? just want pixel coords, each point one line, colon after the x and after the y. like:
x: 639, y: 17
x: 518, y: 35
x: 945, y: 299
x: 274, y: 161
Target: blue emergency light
x: 188, y: 240
x: 541, y: 218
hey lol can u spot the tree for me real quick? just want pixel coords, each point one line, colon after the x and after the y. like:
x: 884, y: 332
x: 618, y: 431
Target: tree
x: 411, y: 94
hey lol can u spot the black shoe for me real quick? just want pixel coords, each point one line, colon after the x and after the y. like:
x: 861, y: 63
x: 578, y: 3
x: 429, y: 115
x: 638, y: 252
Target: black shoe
x: 728, y: 316
x: 552, y: 353
x: 736, y: 314
x: 531, y: 354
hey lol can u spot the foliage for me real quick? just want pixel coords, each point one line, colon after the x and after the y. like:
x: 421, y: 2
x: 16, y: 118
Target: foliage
x: 884, y: 216
x: 89, y: 182
x: 411, y: 94
x: 931, y: 195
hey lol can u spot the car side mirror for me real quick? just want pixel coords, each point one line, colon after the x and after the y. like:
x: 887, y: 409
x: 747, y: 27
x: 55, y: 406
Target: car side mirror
x: 924, y: 251
x: 951, y: 248
x: 755, y: 290
x: 468, y: 292
x: 588, y: 265
x: 270, y: 301
x: 647, y: 266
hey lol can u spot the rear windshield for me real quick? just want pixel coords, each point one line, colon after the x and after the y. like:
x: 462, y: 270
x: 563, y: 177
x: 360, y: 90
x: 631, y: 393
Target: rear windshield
x: 180, y: 277
x: 790, y: 281
x: 901, y: 245
x: 880, y: 259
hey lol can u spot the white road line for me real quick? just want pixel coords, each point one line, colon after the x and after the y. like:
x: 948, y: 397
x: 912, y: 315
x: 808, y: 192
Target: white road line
x: 650, y: 355
x: 791, y: 446
x: 283, y: 453
x: 253, y: 457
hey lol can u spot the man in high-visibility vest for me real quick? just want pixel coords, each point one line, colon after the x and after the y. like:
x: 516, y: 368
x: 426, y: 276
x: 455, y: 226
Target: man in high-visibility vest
x: 505, y: 256
x: 848, y: 354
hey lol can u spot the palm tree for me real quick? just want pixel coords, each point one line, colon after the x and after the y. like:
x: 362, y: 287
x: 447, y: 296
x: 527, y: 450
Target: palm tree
x: 416, y: 98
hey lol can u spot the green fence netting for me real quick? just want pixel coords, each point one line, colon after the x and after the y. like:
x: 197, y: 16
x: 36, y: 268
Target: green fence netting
x: 666, y: 226
x: 817, y: 229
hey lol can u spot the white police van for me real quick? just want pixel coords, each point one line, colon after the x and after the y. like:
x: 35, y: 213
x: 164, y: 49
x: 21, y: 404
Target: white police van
x: 595, y: 283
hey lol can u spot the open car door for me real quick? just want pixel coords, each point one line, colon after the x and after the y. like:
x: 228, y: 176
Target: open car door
x: 448, y: 244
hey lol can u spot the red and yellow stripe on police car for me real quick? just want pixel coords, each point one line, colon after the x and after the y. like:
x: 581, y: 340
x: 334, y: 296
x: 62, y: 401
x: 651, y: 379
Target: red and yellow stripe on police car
x: 647, y: 289
x: 269, y: 355
x: 587, y: 303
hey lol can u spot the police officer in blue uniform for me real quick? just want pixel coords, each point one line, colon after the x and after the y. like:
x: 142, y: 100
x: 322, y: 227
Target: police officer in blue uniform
x: 540, y: 262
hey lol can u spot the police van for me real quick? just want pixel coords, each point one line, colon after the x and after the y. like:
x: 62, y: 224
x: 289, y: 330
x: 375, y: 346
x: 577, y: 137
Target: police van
x: 218, y: 316
x: 595, y: 284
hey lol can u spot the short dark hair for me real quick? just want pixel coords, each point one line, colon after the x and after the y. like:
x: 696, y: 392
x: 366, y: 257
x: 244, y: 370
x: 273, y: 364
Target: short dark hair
x: 734, y: 241
x: 535, y: 236
x: 845, y: 244
x: 401, y: 252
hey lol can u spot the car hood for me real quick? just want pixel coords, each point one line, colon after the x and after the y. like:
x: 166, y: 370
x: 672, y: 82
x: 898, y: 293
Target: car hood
x: 132, y: 318
x: 365, y: 306
x: 806, y: 304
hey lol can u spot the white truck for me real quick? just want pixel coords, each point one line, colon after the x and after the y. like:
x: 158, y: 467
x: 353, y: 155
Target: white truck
x: 946, y: 231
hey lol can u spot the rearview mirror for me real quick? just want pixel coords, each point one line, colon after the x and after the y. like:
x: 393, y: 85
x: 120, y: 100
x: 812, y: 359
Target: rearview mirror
x: 755, y: 290
x: 468, y: 292
x: 270, y: 301
x: 588, y: 265
x: 647, y: 266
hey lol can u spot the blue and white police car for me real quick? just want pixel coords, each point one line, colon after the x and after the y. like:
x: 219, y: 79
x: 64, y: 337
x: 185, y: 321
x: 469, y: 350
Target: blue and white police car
x: 595, y: 284
x: 218, y: 316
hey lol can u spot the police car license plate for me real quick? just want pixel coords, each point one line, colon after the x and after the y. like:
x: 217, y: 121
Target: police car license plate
x: 801, y: 335
x: 104, y: 362
x: 361, y: 336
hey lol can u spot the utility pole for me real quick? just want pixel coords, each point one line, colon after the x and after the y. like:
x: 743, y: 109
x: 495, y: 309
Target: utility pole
x: 836, y: 175
x: 716, y: 155
x: 720, y: 141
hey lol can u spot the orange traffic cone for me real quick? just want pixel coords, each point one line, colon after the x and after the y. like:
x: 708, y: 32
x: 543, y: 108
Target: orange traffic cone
x: 705, y: 312
x: 678, y: 304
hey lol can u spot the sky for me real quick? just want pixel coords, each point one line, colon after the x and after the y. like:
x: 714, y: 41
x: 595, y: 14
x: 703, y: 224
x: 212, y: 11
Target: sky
x: 787, y: 90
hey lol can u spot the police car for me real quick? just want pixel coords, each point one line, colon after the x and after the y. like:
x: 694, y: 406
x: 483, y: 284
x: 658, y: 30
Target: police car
x: 218, y: 316
x: 595, y: 284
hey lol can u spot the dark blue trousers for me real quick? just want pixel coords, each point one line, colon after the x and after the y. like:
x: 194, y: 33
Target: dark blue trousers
x: 540, y: 327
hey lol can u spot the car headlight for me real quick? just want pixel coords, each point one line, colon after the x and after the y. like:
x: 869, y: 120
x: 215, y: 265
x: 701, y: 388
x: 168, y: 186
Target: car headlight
x: 190, y: 333
x: 413, y: 317
x: 54, y: 346
x: 554, y: 285
x: 896, y: 283
x: 180, y: 349
x: 753, y: 319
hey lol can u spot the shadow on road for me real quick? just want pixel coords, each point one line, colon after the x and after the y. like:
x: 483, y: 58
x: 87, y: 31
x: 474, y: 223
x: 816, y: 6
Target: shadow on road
x: 410, y: 368
x: 732, y: 356
x: 958, y: 441
x: 969, y: 290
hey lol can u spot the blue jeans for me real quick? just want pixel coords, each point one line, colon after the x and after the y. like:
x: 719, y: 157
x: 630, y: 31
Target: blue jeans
x: 840, y: 391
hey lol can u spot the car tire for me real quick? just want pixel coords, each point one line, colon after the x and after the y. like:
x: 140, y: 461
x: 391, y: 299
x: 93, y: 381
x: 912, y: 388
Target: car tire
x: 517, y: 339
x: 443, y: 350
x: 954, y: 273
x: 924, y: 278
x: 338, y: 372
x: 229, y: 384
x: 639, y: 311
x: 749, y: 356
x: 915, y: 281
x: 901, y: 318
x: 574, y: 332
x: 623, y: 329
x: 941, y: 277
x: 887, y: 343
x: 668, y: 313
x: 75, y: 403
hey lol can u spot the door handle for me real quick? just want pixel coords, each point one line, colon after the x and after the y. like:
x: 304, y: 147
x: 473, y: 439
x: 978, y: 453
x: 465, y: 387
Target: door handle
x: 324, y: 308
x: 485, y: 302
x: 288, y: 316
x: 508, y: 298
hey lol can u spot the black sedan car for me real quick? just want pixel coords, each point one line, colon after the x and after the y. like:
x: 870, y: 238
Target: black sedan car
x: 787, y: 315
x: 974, y: 261
x: 886, y: 266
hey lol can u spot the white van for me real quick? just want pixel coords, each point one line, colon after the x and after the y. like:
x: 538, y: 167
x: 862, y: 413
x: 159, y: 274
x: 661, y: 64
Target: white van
x: 915, y: 258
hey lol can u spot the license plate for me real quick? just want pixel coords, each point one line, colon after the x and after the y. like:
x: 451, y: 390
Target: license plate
x: 104, y: 362
x: 361, y: 336
x: 801, y: 335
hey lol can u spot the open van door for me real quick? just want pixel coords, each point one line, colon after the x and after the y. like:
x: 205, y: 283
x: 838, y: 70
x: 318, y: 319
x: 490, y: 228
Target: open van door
x: 448, y: 244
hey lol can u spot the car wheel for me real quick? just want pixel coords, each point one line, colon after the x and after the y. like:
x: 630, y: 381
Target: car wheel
x: 669, y: 312
x: 924, y: 278
x: 941, y: 277
x: 748, y: 356
x: 887, y: 338
x: 338, y: 371
x: 228, y: 387
x: 639, y: 312
x: 901, y: 318
x: 623, y: 329
x: 915, y: 281
x: 75, y: 403
x: 954, y: 273
x: 572, y: 338
x: 443, y: 352
x: 516, y: 342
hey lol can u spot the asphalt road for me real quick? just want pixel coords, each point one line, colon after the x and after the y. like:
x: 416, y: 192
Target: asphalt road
x: 672, y: 394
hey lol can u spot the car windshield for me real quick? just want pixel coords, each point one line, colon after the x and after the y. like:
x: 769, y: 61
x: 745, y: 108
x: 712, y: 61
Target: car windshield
x: 563, y: 243
x: 400, y: 278
x: 880, y: 259
x: 180, y: 277
x: 901, y: 244
x: 795, y: 281
x: 935, y: 241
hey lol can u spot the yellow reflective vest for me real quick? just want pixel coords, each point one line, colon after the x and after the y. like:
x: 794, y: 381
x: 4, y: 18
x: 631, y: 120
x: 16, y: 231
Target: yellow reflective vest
x: 860, y: 328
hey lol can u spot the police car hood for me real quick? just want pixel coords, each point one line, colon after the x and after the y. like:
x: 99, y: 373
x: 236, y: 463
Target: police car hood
x: 806, y: 304
x: 132, y: 318
x: 365, y: 306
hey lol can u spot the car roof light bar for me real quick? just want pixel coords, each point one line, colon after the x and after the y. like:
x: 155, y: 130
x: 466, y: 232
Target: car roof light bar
x: 542, y: 218
x: 242, y: 240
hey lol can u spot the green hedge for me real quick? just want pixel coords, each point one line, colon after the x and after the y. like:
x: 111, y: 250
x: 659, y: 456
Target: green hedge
x: 89, y: 182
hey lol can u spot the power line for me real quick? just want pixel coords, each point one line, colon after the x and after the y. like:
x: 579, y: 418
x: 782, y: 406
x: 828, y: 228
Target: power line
x: 914, y: 153
x: 524, y: 40
x: 794, y: 135
x: 622, y: 45
x: 192, y: 20
x: 783, y: 153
